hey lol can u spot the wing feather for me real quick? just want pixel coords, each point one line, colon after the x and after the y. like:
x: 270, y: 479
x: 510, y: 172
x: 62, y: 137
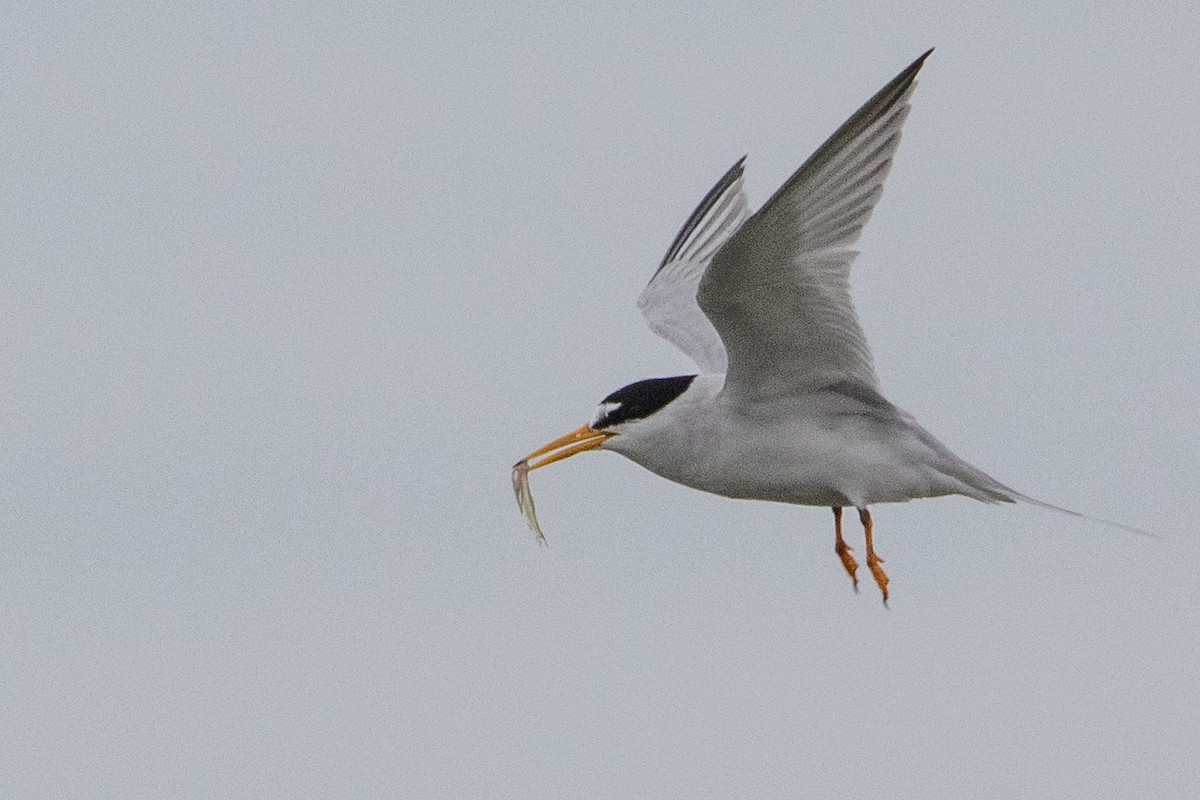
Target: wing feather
x: 668, y: 302
x: 778, y: 291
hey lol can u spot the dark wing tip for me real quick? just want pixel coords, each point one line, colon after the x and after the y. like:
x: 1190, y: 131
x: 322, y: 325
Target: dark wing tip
x: 910, y: 72
x: 879, y: 105
x: 895, y: 89
x: 901, y: 82
x: 912, y: 69
x: 710, y: 199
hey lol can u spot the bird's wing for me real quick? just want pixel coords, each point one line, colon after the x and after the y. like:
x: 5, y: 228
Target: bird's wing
x: 669, y: 301
x: 778, y: 291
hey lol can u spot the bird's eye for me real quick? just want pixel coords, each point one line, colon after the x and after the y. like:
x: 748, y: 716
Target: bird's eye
x: 603, y: 414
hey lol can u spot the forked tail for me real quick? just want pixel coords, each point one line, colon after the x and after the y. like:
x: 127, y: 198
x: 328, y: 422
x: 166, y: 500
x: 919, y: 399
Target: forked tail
x: 974, y: 482
x: 1041, y: 504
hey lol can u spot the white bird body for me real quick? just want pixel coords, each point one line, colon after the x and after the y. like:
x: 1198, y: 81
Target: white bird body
x: 834, y: 447
x: 787, y: 406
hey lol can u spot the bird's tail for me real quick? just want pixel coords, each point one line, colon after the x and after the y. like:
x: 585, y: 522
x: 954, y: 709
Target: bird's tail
x: 1119, y: 525
x: 982, y: 486
x: 976, y: 483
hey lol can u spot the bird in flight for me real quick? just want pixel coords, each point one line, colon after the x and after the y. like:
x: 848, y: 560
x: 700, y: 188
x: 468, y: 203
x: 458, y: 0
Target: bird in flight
x: 786, y: 405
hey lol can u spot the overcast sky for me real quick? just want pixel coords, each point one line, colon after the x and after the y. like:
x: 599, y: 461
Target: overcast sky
x: 287, y: 291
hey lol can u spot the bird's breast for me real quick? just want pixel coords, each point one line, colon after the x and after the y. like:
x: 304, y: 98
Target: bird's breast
x: 743, y: 454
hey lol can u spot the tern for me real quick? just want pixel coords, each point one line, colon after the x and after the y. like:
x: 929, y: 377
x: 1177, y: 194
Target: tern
x: 786, y: 406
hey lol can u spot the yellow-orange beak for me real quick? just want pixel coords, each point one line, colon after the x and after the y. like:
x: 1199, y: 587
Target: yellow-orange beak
x: 577, y: 441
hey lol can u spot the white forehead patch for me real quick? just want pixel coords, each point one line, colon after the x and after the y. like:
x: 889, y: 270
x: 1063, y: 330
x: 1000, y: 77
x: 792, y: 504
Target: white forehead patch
x: 603, y: 411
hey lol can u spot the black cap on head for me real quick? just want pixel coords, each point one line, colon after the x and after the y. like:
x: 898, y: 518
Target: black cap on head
x: 639, y: 400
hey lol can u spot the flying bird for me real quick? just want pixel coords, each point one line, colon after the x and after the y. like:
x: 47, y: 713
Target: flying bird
x: 786, y: 405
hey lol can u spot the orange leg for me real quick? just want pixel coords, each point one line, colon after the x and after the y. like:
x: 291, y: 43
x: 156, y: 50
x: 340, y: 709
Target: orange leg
x: 873, y: 561
x: 842, y: 549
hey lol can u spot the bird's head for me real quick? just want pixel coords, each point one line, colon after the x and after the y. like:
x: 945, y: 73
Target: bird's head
x: 617, y: 414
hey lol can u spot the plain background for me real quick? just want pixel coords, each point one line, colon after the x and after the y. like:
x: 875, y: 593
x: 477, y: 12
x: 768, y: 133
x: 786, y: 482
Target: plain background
x: 287, y: 289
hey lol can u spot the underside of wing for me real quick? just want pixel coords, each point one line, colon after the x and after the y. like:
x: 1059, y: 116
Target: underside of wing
x: 778, y: 291
x: 669, y: 301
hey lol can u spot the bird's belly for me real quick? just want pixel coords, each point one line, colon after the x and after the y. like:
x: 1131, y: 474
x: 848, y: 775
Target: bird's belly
x: 755, y: 464
x: 800, y: 462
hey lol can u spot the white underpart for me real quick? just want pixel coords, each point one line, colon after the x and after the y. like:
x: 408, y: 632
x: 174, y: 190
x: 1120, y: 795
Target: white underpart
x: 823, y: 448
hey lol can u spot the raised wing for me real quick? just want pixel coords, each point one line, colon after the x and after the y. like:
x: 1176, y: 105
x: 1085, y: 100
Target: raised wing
x: 778, y: 291
x: 669, y: 301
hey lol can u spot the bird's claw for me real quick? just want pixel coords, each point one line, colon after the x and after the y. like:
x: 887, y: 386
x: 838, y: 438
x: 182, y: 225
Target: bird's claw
x: 847, y: 556
x: 881, y: 578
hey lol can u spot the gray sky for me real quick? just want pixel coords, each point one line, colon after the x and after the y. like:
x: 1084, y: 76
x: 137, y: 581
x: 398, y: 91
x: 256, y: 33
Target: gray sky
x: 288, y: 291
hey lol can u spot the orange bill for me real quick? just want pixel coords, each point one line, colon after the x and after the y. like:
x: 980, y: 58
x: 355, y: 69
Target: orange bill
x: 577, y: 441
